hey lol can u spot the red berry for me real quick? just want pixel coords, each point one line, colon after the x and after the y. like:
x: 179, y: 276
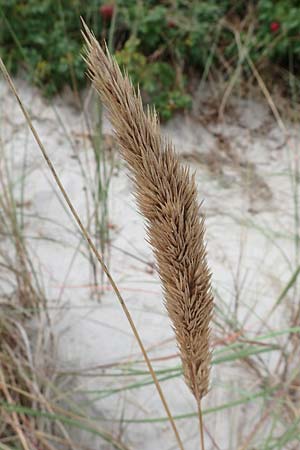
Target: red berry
x: 106, y: 11
x: 274, y: 26
x: 171, y: 24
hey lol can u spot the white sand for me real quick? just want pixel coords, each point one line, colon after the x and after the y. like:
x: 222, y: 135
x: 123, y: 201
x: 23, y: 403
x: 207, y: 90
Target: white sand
x: 242, y: 174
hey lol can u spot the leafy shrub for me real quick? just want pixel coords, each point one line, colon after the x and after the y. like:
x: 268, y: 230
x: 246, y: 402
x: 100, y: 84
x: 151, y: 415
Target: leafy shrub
x: 156, y: 80
x: 280, y: 21
x: 159, y: 42
x: 44, y: 36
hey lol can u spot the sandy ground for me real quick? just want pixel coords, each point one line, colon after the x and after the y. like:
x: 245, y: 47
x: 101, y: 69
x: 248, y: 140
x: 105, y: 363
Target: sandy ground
x: 242, y: 170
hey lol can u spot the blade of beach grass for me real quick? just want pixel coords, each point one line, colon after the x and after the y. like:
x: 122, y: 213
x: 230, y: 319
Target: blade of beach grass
x: 167, y: 374
x: 267, y: 95
x: 71, y: 420
x: 92, y: 247
x: 263, y: 394
x: 285, y: 290
x: 229, y: 353
x: 262, y: 419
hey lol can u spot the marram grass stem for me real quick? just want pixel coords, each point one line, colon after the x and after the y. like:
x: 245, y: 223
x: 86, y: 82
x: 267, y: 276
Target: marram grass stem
x: 93, y: 249
x: 167, y: 197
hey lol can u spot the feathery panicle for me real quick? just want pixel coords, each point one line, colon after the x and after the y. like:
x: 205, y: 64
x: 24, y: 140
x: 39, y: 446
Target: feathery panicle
x: 167, y: 197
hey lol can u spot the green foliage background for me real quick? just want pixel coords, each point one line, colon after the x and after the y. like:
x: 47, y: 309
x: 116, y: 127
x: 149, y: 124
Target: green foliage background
x: 161, y: 43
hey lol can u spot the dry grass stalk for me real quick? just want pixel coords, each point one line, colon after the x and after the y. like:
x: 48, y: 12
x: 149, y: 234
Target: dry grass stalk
x: 92, y: 247
x: 167, y: 197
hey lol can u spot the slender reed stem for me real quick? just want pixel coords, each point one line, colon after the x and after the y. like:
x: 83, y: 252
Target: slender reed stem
x: 93, y: 248
x: 202, y: 447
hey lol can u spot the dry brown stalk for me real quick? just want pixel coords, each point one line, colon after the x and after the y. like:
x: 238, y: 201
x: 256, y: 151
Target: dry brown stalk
x: 93, y: 248
x: 167, y: 197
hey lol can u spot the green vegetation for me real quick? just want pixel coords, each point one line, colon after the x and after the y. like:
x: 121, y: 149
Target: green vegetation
x: 162, y: 44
